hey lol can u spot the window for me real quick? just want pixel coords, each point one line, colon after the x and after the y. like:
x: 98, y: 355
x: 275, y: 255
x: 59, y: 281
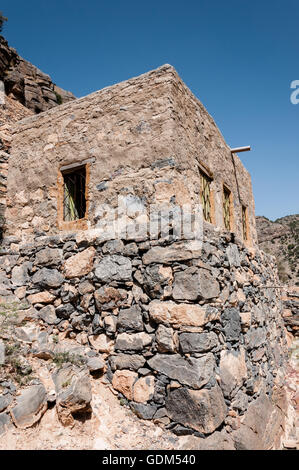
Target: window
x: 227, y: 208
x: 205, y: 193
x: 74, y: 194
x: 244, y: 223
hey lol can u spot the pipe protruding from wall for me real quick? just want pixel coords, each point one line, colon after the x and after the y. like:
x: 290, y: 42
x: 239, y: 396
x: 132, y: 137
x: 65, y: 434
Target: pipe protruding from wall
x: 241, y: 149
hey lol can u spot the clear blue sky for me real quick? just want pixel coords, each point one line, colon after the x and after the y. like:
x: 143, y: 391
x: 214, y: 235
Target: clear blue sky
x: 238, y: 57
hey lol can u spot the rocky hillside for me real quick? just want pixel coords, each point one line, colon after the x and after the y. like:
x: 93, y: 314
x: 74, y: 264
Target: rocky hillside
x: 280, y: 239
x: 24, y: 90
x: 26, y: 83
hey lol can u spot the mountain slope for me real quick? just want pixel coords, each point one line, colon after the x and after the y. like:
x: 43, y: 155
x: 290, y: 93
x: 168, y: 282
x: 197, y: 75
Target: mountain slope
x: 280, y: 239
x: 26, y: 83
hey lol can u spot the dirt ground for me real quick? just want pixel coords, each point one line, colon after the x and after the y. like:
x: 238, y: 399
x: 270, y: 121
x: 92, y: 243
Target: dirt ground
x: 110, y: 427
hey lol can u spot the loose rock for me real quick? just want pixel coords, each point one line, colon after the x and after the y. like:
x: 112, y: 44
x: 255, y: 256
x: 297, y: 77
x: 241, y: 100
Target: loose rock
x: 31, y: 405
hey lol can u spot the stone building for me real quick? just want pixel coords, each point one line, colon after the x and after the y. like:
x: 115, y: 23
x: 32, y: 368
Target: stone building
x: 191, y: 335
x: 148, y: 137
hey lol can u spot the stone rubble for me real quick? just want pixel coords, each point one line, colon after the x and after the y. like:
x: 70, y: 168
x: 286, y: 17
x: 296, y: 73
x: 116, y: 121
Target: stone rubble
x: 31, y: 405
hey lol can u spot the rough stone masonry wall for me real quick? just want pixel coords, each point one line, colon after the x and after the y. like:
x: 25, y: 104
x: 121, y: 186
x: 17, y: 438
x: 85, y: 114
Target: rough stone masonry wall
x: 193, y: 341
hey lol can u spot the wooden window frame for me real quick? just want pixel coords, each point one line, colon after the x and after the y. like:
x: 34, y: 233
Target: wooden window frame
x: 74, y: 203
x: 205, y: 175
x: 77, y: 224
x: 228, y: 192
x: 245, y: 223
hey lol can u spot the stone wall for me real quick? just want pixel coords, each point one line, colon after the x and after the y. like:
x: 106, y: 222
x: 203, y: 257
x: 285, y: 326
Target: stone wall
x: 145, y: 138
x: 192, y: 340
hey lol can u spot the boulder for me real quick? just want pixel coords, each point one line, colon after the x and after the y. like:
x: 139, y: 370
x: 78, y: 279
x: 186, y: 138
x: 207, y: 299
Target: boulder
x: 80, y: 264
x: 101, y: 343
x: 5, y: 422
x: 246, y: 439
x: 123, y: 381
x: 233, y: 371
x: 48, y: 278
x: 113, y: 247
x: 130, y: 319
x: 203, y: 410
x: 155, y: 278
x: 194, y: 372
x: 219, y: 440
x: 143, y: 411
x: 110, y: 323
x: 262, y: 426
x: 208, y: 285
x: 193, y: 283
x: 177, y: 315
x: 20, y: 274
x: 245, y: 320
x: 114, y: 268
x: 65, y: 310
x: 44, y: 297
x: 144, y: 389
x: 164, y: 339
x: 28, y: 333
x: 48, y: 257
x: 48, y: 314
x: 68, y: 293
x: 85, y: 287
x: 186, y: 285
x: 240, y: 401
x: 108, y: 298
x: 73, y: 392
x: 133, y: 342
x: 180, y: 251
x: 231, y: 321
x: 126, y: 361
x: 5, y: 401
x: 197, y: 342
x: 95, y: 364
x: 31, y: 405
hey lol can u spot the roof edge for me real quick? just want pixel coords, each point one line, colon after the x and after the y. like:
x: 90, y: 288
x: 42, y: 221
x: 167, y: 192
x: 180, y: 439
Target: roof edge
x: 166, y: 68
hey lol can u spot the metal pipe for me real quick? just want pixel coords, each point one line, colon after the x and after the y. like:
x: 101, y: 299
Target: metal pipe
x: 241, y: 149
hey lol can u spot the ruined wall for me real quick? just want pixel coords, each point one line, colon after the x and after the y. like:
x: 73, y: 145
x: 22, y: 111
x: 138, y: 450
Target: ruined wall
x: 142, y: 138
x: 193, y: 340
